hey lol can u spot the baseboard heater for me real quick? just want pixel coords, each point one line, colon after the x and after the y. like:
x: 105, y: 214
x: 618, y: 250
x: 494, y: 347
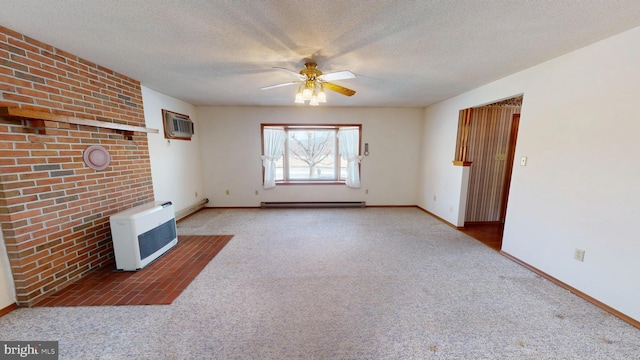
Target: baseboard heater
x: 191, y: 209
x: 312, y: 204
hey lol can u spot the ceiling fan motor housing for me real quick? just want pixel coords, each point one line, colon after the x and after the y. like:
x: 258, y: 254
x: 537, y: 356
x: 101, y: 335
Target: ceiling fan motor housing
x: 311, y: 71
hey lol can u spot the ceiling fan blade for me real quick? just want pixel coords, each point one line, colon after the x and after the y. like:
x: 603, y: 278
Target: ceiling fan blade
x: 338, y: 75
x: 298, y: 75
x: 279, y: 85
x: 338, y: 88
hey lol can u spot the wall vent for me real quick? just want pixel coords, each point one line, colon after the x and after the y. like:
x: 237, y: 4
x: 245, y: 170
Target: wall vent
x: 177, y: 126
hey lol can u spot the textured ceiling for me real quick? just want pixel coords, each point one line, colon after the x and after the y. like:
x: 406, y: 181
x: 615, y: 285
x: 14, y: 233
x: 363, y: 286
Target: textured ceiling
x: 404, y: 53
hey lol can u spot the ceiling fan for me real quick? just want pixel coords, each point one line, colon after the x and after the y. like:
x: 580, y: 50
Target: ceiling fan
x: 312, y: 82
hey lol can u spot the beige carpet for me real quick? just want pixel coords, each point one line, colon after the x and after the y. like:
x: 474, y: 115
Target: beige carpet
x: 375, y: 283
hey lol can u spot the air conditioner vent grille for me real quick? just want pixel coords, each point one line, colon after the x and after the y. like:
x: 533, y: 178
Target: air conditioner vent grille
x: 177, y: 126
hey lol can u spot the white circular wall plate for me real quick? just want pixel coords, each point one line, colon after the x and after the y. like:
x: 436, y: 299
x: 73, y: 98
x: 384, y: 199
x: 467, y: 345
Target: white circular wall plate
x: 97, y: 157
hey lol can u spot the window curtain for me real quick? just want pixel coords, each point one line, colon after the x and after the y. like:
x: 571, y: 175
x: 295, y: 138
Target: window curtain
x: 273, y: 147
x: 349, y: 142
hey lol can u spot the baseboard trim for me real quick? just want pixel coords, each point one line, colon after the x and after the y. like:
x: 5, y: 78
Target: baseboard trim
x: 475, y: 223
x: 184, y: 213
x: 603, y: 306
x: 439, y: 218
x: 7, y: 309
x: 229, y: 207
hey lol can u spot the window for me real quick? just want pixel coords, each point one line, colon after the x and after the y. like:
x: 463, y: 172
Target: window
x: 308, y: 153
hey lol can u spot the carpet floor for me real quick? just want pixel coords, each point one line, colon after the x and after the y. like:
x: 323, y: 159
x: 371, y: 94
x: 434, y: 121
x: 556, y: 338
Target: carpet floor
x: 373, y: 283
x: 157, y: 284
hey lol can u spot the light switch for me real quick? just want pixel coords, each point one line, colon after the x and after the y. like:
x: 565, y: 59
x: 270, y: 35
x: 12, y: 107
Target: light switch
x: 523, y: 161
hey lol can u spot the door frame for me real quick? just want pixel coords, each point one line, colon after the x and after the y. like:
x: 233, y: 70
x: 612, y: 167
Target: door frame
x: 511, y: 151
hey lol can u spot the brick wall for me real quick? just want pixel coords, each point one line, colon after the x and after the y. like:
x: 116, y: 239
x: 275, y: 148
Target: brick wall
x: 54, y: 209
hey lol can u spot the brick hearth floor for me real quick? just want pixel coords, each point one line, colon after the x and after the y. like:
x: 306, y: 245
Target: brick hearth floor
x: 158, y: 283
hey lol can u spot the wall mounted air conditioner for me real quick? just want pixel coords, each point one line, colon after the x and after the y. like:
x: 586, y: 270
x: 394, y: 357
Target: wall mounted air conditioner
x: 142, y: 234
x: 177, y: 126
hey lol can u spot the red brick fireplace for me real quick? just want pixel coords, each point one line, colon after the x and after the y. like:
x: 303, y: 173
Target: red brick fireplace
x: 55, y: 209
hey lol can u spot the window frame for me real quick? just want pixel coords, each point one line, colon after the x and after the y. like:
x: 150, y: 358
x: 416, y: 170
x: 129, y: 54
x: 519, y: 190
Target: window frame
x: 303, y: 126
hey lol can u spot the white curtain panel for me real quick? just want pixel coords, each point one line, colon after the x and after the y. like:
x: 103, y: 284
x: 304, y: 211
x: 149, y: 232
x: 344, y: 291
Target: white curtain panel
x: 273, y: 146
x: 349, y: 141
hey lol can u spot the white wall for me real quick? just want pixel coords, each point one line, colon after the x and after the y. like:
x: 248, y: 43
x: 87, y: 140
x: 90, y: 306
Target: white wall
x: 231, y: 154
x: 579, y: 129
x: 7, y: 288
x: 175, y: 164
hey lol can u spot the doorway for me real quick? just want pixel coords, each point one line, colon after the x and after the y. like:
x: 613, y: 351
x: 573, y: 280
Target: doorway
x: 492, y: 140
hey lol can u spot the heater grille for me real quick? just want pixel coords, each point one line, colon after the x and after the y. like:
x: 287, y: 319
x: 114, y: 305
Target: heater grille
x: 156, y: 238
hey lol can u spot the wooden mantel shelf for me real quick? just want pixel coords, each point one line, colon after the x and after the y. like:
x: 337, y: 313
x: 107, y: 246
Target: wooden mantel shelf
x: 41, y: 115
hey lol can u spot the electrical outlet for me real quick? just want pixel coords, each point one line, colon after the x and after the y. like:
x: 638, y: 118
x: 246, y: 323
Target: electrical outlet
x: 366, y: 191
x: 196, y: 194
x: 523, y: 161
x: 256, y: 192
x: 434, y: 198
x: 579, y: 255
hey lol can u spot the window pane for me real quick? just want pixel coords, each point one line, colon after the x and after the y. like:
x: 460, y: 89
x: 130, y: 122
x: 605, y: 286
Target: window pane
x: 312, y: 154
x: 343, y: 170
x: 280, y: 169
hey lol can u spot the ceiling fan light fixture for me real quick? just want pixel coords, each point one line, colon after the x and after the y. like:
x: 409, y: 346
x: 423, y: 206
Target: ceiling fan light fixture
x: 314, y: 101
x: 308, y: 91
x: 299, y: 99
x: 322, y: 97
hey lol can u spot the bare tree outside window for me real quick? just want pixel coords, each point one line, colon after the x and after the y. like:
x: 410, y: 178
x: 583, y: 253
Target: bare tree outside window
x: 315, y: 149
